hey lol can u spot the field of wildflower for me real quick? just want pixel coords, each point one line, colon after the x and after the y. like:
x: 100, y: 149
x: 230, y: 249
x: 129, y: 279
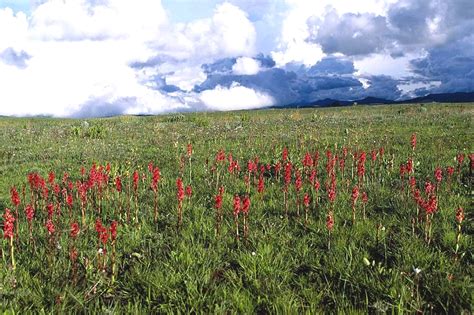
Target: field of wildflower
x: 356, y: 209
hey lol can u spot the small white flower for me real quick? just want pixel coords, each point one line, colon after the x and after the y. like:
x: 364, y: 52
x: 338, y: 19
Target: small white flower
x: 100, y: 251
x: 253, y: 253
x: 416, y: 270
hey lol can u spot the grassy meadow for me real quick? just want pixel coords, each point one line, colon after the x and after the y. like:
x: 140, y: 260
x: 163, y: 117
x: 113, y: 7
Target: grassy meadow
x: 382, y: 263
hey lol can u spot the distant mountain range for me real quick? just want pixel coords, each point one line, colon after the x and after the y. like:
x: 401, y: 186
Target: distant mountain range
x: 458, y: 97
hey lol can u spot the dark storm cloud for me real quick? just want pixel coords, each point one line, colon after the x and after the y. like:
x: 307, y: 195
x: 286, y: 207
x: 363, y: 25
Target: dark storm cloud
x: 332, y: 78
x: 332, y: 65
x: 224, y: 65
x: 442, y: 30
x: 452, y: 65
x: 11, y: 57
x: 350, y: 34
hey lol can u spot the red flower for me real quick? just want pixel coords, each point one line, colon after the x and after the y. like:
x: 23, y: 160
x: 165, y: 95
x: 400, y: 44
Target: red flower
x: 30, y: 213
x: 118, y: 184
x: 287, y: 174
x: 101, y: 230
x: 355, y: 194
x: 438, y: 174
x: 409, y: 166
x: 429, y: 188
x: 298, y: 181
x: 450, y: 170
x: 317, y: 185
x: 329, y: 221
x: 113, y: 230
x: 8, y: 224
x: 104, y: 236
x: 156, y: 178
x: 15, y: 197
x: 332, y: 194
x: 73, y: 254
x: 50, y: 227
x: 50, y: 209
x: 432, y: 205
x: 307, y: 160
x: 236, y: 205
x: 361, y: 164
x: 413, y: 141
x: 460, y: 158
x: 74, y: 230
x: 57, y: 189
x: 51, y: 177
x: 373, y: 155
x: 98, y: 225
x: 220, y: 157
x: 365, y: 198
x: 412, y: 182
x: 284, y: 155
x: 246, y: 205
x: 69, y: 200
x: 316, y: 159
x: 460, y: 215
x: 381, y: 152
x: 136, y: 178
x: 180, y: 189
x: 342, y: 164
x: 189, y: 191
x: 306, y: 200
x: 218, y: 201
x: 261, y: 184
x: 190, y: 149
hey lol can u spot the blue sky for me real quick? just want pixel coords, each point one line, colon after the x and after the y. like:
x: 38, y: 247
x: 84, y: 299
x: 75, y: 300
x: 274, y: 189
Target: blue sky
x: 82, y: 58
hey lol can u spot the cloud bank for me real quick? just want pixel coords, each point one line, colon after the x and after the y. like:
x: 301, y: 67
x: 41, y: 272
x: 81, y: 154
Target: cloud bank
x: 83, y: 58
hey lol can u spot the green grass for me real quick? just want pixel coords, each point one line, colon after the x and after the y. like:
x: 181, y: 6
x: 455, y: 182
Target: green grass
x: 283, y: 267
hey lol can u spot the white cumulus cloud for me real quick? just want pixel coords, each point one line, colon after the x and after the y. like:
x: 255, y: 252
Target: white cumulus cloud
x: 235, y: 97
x: 77, y: 56
x: 246, y: 66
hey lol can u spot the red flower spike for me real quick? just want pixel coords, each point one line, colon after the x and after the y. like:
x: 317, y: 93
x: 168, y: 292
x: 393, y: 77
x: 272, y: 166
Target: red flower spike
x: 50, y: 227
x: 189, y: 191
x: 218, y: 202
x: 190, y: 149
x: 413, y: 141
x: 236, y: 205
x: 8, y: 224
x: 306, y: 200
x: 438, y: 174
x: 136, y: 178
x: 284, y: 155
x: 118, y: 184
x: 15, y: 197
x: 180, y: 189
x: 74, y: 232
x: 330, y: 221
x: 30, y: 213
x: 246, y: 205
x: 113, y: 230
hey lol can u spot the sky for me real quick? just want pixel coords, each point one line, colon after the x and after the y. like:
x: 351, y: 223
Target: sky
x: 92, y: 58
